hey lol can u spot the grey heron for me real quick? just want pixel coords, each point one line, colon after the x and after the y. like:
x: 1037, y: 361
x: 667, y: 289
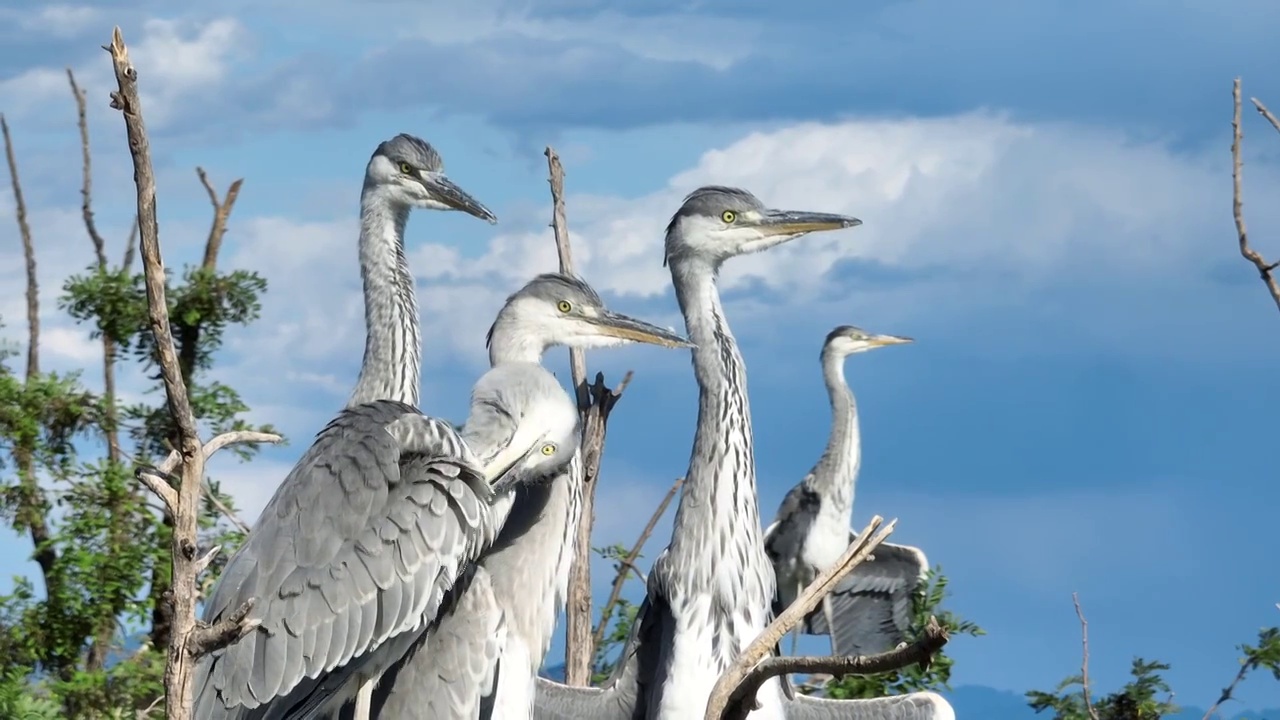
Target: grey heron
x: 710, y: 591
x: 367, y: 535
x: 403, y: 172
x: 502, y: 624
x: 870, y: 610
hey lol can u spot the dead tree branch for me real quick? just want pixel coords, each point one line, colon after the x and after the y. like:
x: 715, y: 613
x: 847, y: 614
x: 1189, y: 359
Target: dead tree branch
x: 594, y: 404
x: 718, y: 704
x: 1265, y: 270
x: 1084, y: 661
x: 920, y: 652
x: 187, y: 640
x: 221, y: 211
x: 158, y: 479
x: 32, y: 506
x: 628, y: 563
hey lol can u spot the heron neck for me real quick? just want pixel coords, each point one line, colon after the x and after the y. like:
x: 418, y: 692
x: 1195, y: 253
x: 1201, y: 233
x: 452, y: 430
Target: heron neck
x: 392, y: 365
x: 509, y: 344
x: 719, y: 513
x: 836, y: 471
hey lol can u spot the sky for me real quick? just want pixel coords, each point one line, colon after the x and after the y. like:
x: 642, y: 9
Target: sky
x: 1045, y: 190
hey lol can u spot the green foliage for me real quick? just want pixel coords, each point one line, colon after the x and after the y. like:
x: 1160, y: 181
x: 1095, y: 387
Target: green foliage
x: 617, y: 619
x: 925, y: 603
x: 1137, y: 700
x: 60, y: 636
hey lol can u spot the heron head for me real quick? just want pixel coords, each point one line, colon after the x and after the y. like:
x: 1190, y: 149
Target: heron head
x: 846, y: 340
x: 557, y: 309
x: 410, y: 172
x: 716, y: 223
x: 528, y: 422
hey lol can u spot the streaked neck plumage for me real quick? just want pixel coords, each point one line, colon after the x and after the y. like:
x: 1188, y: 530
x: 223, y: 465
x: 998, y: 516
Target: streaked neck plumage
x: 716, y: 543
x: 836, y: 471
x: 392, y: 350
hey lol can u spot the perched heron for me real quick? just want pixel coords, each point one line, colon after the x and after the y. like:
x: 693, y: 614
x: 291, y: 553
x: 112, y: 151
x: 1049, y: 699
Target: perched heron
x: 870, y: 610
x: 710, y: 591
x: 502, y: 624
x: 403, y: 173
x: 355, y: 552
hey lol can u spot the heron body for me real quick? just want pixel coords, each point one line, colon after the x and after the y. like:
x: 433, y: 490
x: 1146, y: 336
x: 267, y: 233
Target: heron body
x: 871, y: 607
x: 346, y: 555
x: 710, y: 591
x: 523, y: 578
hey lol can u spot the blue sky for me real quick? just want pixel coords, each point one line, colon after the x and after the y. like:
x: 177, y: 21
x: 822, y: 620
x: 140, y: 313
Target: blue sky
x: 1046, y: 195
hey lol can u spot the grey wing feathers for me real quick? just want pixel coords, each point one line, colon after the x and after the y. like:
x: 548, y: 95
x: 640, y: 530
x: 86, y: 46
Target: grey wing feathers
x: 913, y: 706
x: 871, y: 607
x: 451, y: 669
x: 356, y: 546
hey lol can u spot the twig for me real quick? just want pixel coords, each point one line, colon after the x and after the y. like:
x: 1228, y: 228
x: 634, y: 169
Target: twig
x: 130, y: 245
x: 1264, y: 112
x: 157, y: 477
x: 188, y: 640
x: 221, y: 211
x: 628, y: 561
x: 718, y: 703
x: 594, y: 404
x: 1084, y: 662
x: 920, y: 653
x: 1265, y: 269
x: 86, y: 189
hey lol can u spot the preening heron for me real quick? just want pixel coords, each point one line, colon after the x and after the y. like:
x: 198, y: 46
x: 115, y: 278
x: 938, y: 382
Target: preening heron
x: 502, y: 624
x: 355, y: 552
x: 403, y: 173
x: 710, y: 591
x: 871, y: 608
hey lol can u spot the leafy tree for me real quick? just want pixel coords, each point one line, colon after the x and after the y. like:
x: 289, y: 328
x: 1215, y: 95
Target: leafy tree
x: 67, y: 459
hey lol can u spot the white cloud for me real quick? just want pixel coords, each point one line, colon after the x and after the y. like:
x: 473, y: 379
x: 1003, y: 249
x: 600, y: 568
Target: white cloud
x: 180, y: 59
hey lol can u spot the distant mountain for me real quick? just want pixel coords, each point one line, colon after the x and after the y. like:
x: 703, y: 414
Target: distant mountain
x: 976, y: 702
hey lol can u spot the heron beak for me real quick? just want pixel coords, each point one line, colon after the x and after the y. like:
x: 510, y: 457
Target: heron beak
x: 444, y: 190
x: 622, y: 327
x: 790, y: 222
x: 883, y: 340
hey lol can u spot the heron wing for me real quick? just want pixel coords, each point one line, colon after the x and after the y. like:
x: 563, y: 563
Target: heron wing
x: 619, y: 698
x: 871, y: 606
x: 357, y: 545
x: 452, y: 669
x: 912, y: 706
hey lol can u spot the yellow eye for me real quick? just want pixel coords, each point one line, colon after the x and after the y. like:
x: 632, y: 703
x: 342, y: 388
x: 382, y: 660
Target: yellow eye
x: 564, y: 306
x: 548, y: 449
x: 406, y: 168
x: 728, y: 216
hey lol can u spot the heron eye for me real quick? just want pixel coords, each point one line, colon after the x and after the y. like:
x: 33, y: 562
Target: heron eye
x: 548, y: 449
x: 406, y: 168
x: 564, y: 306
x: 728, y: 216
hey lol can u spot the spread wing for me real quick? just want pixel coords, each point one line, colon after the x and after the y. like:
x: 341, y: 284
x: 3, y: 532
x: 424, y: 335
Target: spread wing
x: 913, y: 706
x: 452, y: 669
x: 871, y: 607
x: 357, y: 546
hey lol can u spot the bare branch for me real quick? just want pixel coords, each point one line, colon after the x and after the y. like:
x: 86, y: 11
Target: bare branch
x: 221, y: 211
x: 718, y: 702
x: 204, y: 639
x: 129, y: 246
x: 86, y: 189
x: 1264, y: 112
x: 187, y: 640
x: 156, y: 478
x: 920, y: 653
x: 1265, y: 269
x: 31, y: 507
x: 594, y: 405
x: 1084, y: 662
x: 628, y: 562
